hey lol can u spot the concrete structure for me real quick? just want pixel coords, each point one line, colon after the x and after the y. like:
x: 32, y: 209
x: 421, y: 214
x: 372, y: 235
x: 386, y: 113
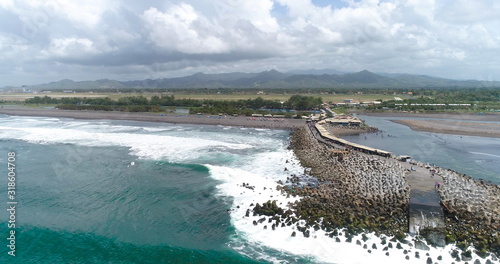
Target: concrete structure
x: 349, y: 145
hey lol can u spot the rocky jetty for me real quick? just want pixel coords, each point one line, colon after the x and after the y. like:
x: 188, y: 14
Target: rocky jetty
x: 472, y: 211
x: 359, y: 193
x: 356, y: 191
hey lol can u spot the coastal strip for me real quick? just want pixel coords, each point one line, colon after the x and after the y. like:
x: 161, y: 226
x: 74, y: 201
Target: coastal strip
x: 237, y: 121
x: 457, y: 127
x: 487, y: 117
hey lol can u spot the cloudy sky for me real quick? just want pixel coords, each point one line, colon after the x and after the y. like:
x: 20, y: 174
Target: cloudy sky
x: 50, y: 40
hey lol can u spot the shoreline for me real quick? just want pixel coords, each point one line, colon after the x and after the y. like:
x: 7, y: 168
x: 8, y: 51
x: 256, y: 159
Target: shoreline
x: 478, y: 129
x: 492, y: 117
x: 239, y: 121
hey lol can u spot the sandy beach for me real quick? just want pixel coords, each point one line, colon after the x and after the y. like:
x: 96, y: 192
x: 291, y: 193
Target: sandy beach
x: 239, y: 121
x: 491, y: 117
x: 457, y: 127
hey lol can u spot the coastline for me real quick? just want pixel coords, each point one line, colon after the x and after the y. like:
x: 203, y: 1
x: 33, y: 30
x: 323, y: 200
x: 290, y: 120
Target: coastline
x: 457, y: 127
x: 361, y: 193
x: 239, y: 121
x: 492, y: 117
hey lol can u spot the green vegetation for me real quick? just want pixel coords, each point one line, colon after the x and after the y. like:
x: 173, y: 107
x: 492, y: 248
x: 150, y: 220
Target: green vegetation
x: 469, y: 100
x: 249, y: 101
x: 157, y: 103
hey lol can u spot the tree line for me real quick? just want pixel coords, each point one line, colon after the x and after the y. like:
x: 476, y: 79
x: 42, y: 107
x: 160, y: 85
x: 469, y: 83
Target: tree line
x: 155, y: 104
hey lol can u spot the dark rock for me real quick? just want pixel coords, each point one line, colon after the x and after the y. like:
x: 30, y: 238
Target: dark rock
x: 365, y: 246
x: 306, y: 233
x: 358, y: 242
x: 440, y: 257
x: 374, y: 246
x: 262, y: 220
x: 387, y: 253
x: 254, y: 222
x: 421, y: 245
x: 477, y: 261
x: 294, y: 234
x: 429, y: 260
x: 407, y: 257
x: 337, y: 240
x: 265, y: 227
x: 467, y: 255
x: 405, y: 251
x: 385, y: 249
x: 417, y: 255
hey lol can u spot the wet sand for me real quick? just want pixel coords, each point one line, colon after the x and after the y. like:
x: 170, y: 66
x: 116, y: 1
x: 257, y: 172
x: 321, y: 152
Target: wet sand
x: 457, y: 127
x: 492, y: 117
x: 240, y: 121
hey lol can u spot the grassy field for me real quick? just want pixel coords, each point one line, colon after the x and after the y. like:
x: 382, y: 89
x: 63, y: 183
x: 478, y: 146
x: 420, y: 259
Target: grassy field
x: 24, y: 96
x: 280, y: 97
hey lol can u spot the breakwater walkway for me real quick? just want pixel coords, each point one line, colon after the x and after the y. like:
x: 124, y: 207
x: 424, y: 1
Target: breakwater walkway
x: 425, y: 214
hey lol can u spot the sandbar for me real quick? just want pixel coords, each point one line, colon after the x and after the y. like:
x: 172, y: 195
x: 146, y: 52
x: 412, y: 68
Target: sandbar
x: 457, y: 127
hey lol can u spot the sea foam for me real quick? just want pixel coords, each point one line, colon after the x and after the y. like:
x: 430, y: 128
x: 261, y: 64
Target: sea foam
x: 259, y: 160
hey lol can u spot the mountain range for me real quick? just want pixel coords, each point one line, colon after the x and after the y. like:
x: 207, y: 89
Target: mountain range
x: 275, y: 79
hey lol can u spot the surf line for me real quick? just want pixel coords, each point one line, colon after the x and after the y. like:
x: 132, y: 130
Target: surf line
x: 12, y: 203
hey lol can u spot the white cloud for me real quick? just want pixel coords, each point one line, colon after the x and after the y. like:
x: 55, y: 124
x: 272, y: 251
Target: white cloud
x: 181, y: 28
x: 87, y: 13
x: 96, y: 37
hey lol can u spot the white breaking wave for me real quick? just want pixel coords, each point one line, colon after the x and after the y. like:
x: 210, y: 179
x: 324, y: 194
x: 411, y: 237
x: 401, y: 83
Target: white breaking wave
x: 261, y: 166
x: 173, y: 148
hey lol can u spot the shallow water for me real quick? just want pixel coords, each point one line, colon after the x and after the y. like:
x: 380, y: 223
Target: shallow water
x: 478, y: 157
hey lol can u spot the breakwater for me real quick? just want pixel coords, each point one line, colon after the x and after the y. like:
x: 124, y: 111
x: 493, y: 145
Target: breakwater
x: 473, y: 211
x: 356, y: 191
x: 424, y: 213
x: 372, y: 193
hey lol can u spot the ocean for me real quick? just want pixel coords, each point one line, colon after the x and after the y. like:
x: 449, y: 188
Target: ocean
x: 104, y: 191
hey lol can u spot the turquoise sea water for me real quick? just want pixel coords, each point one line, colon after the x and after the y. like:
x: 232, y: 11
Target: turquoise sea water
x: 129, y: 192
x: 100, y: 191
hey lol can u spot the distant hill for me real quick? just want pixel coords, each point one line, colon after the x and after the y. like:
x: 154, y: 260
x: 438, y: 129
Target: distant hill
x: 275, y: 79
